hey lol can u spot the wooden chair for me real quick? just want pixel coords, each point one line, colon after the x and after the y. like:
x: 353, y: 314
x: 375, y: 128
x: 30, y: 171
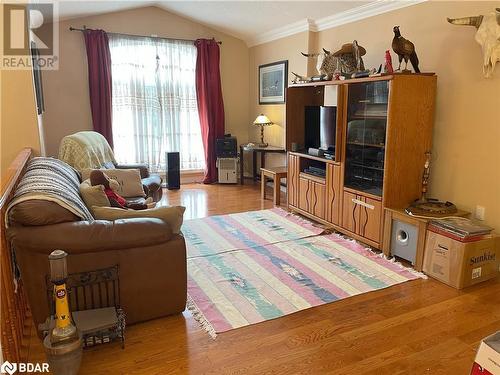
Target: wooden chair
x: 276, y: 174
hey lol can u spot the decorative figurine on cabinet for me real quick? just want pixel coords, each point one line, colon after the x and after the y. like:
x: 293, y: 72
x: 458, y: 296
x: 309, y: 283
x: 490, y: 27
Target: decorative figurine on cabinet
x: 326, y: 66
x: 388, y: 63
x: 346, y: 61
x: 405, y: 51
x: 350, y: 56
x: 356, y: 51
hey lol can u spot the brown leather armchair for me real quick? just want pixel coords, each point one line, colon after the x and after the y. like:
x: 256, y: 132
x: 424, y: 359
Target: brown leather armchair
x: 89, y: 150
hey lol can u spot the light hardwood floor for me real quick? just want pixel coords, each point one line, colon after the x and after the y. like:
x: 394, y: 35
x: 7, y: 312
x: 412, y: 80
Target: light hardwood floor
x: 419, y: 327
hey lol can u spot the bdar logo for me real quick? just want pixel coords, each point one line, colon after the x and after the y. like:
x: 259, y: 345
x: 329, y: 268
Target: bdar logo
x: 8, y: 368
x: 21, y: 367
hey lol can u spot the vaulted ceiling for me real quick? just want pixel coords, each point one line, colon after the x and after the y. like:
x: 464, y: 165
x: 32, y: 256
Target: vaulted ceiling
x: 252, y: 21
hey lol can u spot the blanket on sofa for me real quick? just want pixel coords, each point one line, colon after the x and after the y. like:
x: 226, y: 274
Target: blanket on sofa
x: 86, y: 150
x: 51, y: 180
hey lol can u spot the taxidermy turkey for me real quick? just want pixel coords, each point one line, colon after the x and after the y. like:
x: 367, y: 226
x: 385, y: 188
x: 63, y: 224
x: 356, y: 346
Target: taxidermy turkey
x: 405, y: 50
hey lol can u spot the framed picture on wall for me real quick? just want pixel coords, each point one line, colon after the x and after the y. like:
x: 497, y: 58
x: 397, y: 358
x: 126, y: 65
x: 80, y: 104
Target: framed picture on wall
x: 273, y: 82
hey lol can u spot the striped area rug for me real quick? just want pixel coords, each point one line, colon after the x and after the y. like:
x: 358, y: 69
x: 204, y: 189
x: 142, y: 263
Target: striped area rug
x: 220, y: 234
x: 254, y: 266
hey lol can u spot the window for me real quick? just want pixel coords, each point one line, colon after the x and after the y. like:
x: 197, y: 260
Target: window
x: 154, y: 102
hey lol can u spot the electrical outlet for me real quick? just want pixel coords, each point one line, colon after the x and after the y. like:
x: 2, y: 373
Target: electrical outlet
x: 480, y: 212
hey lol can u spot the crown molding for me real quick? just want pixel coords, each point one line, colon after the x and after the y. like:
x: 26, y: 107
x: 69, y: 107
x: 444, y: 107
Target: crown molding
x: 355, y: 14
x: 282, y: 32
x: 364, y: 11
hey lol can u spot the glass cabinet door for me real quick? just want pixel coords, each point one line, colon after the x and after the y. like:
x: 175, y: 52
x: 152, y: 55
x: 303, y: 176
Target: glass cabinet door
x: 366, y: 131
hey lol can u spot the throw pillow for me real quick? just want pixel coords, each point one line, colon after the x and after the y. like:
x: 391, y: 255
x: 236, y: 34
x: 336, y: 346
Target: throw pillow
x: 173, y: 216
x: 93, y: 196
x: 85, y: 173
x: 129, y: 180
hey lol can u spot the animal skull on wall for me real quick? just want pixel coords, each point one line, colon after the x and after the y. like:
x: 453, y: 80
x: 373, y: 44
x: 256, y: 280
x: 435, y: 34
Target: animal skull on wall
x: 487, y: 35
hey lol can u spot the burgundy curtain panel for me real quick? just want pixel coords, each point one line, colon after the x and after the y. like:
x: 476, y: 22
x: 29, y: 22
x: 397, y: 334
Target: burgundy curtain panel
x: 99, y: 66
x: 210, y: 102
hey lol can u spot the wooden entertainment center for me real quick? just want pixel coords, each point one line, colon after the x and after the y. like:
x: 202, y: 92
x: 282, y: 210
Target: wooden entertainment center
x: 383, y: 129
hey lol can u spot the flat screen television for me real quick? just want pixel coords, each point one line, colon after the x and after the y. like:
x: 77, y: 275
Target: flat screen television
x: 311, y: 127
x: 327, y: 128
x: 320, y: 127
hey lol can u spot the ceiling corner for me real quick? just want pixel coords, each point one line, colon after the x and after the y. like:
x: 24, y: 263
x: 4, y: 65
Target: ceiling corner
x: 281, y: 32
x: 355, y: 14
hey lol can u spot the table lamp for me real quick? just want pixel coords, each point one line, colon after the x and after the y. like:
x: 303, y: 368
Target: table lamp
x: 262, y: 120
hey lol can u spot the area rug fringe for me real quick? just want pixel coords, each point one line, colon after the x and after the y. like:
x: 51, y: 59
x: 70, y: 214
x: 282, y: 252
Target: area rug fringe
x: 200, y: 318
x: 302, y: 220
x: 398, y: 263
x: 383, y: 256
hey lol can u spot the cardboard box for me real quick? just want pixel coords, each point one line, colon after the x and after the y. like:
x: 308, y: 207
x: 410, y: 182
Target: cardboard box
x: 487, y: 360
x: 461, y: 264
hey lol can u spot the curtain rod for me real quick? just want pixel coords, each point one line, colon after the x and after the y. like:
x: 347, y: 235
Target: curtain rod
x: 71, y: 28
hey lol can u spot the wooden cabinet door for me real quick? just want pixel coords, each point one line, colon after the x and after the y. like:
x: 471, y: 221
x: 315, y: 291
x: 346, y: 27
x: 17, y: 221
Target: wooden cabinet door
x: 333, y: 198
x: 297, y: 99
x: 318, y: 191
x: 293, y: 180
x: 370, y: 218
x: 304, y: 198
x: 350, y: 212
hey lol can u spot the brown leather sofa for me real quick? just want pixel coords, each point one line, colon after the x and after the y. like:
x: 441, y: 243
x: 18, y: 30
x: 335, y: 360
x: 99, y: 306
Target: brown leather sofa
x: 151, y: 259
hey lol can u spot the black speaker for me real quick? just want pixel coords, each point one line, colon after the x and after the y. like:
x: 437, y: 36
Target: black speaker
x: 173, y: 172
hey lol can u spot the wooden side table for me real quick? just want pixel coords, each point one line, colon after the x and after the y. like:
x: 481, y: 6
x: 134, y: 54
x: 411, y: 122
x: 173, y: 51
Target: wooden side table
x: 255, y: 149
x: 276, y: 174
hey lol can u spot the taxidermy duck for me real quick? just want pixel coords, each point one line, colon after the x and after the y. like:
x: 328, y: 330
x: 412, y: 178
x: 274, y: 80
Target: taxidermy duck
x: 405, y: 50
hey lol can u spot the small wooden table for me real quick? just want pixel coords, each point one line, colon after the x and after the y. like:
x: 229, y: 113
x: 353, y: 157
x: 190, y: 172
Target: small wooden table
x: 256, y: 149
x: 276, y: 174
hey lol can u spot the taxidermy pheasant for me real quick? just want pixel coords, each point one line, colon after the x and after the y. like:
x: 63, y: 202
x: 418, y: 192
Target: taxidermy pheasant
x: 405, y: 50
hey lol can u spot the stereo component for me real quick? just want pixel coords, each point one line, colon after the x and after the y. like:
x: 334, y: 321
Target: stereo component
x: 315, y: 151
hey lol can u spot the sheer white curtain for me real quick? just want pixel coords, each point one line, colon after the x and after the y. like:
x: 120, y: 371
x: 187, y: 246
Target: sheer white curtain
x: 154, y: 101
